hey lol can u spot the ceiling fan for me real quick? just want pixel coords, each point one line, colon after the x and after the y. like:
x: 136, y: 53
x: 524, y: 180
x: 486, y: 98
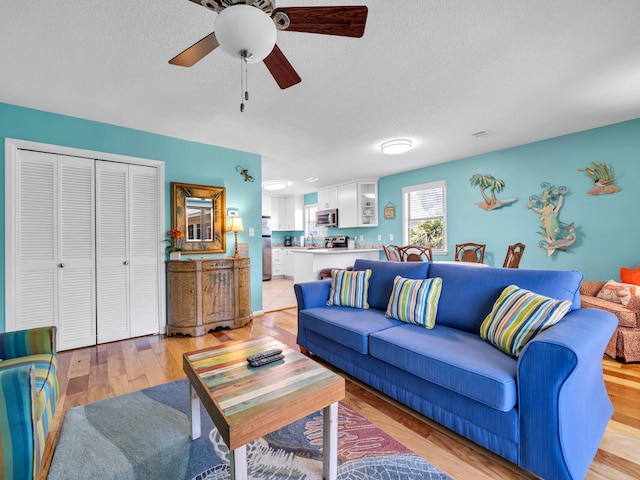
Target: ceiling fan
x: 247, y: 29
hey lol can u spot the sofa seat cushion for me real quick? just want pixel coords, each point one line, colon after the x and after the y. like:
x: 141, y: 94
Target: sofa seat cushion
x: 347, y: 326
x: 457, y: 360
x: 626, y: 316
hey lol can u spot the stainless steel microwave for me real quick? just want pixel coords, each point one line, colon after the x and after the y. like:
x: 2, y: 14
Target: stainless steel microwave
x: 327, y: 218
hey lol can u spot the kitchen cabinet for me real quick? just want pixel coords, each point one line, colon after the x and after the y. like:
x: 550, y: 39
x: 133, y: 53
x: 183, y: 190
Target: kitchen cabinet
x: 266, y: 205
x: 205, y: 295
x: 289, y: 262
x: 348, y: 205
x: 328, y: 198
x: 278, y: 213
x: 295, y: 213
x: 277, y: 262
x: 367, y: 204
x: 287, y: 213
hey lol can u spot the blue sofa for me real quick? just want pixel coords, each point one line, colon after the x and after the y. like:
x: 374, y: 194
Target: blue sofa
x: 545, y: 411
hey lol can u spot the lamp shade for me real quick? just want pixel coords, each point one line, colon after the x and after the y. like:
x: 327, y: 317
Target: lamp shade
x: 235, y: 224
x: 241, y: 28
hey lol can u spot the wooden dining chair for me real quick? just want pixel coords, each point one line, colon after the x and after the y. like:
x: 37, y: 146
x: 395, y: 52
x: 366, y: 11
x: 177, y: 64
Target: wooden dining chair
x: 393, y: 253
x: 514, y: 255
x: 416, y: 253
x: 470, y: 252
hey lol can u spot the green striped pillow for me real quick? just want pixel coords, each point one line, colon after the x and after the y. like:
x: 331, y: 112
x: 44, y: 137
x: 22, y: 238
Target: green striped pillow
x: 518, y: 315
x: 415, y: 301
x: 349, y: 288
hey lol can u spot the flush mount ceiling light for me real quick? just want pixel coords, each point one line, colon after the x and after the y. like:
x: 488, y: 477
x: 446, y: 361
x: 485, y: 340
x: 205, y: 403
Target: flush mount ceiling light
x: 311, y: 179
x: 397, y: 146
x: 275, y: 185
x: 245, y: 32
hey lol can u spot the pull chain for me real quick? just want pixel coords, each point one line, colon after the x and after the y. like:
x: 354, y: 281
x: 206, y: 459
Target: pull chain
x: 244, y: 89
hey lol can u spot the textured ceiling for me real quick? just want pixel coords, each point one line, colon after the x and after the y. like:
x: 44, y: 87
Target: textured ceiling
x: 434, y: 71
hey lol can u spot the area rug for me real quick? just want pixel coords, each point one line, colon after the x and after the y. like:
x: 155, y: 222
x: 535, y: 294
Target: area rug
x: 145, y: 435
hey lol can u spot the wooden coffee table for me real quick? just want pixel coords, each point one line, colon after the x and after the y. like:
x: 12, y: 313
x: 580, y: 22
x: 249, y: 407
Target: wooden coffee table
x: 246, y: 403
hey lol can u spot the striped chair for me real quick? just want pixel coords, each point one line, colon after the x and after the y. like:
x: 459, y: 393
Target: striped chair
x: 29, y: 392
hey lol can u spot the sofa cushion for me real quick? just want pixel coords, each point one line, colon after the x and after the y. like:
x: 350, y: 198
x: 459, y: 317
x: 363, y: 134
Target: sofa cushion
x: 456, y: 360
x: 519, y: 315
x: 415, y: 301
x: 347, y: 326
x: 382, y: 276
x: 630, y: 275
x: 349, y: 289
x: 626, y: 316
x: 618, y: 292
x: 468, y: 293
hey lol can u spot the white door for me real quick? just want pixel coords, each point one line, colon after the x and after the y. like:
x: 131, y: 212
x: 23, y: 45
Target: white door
x: 143, y: 264
x: 112, y: 251
x: 54, y: 241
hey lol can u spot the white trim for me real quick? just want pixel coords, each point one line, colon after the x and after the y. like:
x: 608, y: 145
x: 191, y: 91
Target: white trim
x: 426, y: 186
x: 12, y: 146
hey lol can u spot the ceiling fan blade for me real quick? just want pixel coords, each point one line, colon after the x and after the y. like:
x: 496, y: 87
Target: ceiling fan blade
x: 196, y: 52
x: 342, y: 21
x: 282, y: 71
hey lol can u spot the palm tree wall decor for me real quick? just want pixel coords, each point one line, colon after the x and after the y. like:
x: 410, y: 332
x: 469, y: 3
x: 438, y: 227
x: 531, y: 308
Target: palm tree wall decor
x: 494, y: 185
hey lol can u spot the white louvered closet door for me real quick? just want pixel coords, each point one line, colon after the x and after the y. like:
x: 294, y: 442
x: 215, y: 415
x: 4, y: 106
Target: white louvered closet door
x: 143, y: 269
x: 112, y: 251
x: 36, y: 286
x: 76, y: 265
x: 55, y: 246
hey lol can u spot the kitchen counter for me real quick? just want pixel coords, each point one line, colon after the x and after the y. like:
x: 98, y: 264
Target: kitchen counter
x: 310, y: 261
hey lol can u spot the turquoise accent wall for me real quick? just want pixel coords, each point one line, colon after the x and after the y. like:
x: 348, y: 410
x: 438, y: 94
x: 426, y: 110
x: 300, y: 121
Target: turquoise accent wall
x: 185, y: 162
x: 606, y: 226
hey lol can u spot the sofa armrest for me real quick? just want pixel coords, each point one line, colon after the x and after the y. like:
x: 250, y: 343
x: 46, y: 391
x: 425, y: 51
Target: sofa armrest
x: 590, y: 288
x: 23, y: 343
x: 17, y: 413
x: 563, y: 403
x: 312, y: 294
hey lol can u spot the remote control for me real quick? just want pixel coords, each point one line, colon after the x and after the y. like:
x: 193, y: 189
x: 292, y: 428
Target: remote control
x: 268, y: 353
x: 265, y: 360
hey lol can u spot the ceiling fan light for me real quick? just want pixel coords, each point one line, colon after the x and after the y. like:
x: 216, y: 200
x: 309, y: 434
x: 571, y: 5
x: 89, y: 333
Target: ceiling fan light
x: 397, y: 146
x: 241, y: 28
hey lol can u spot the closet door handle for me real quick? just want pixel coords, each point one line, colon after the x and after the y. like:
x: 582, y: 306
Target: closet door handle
x: 61, y: 265
x: 126, y: 262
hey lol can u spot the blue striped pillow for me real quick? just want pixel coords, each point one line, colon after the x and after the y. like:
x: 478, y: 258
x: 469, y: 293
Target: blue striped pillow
x: 518, y: 315
x: 415, y: 301
x: 349, y: 288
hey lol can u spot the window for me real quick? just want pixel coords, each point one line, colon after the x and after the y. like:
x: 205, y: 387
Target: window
x: 310, y: 227
x: 424, y: 219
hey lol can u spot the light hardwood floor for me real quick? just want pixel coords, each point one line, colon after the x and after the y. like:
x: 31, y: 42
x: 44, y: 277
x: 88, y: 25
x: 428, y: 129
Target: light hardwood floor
x: 91, y: 374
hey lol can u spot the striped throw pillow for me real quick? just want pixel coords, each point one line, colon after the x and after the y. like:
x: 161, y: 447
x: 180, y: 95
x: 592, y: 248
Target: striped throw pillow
x: 349, y: 288
x: 415, y: 301
x: 518, y: 315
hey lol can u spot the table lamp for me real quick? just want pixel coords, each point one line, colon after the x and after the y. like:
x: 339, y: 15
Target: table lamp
x: 235, y: 225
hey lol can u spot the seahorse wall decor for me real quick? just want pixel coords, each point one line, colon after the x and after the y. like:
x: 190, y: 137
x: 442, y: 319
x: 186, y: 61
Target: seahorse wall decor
x: 495, y: 185
x: 557, y: 235
x: 603, y: 177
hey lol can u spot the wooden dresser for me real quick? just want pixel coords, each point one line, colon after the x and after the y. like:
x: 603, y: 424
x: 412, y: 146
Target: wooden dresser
x: 208, y: 294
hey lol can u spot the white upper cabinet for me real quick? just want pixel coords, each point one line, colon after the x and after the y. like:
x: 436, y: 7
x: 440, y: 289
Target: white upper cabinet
x: 287, y: 213
x: 328, y: 198
x: 367, y: 204
x: 348, y: 205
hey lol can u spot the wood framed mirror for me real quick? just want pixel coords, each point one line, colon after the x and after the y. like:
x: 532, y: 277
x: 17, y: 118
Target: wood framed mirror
x: 198, y: 211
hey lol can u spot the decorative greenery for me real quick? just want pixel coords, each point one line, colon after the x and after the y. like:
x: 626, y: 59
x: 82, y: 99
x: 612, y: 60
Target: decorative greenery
x: 603, y: 177
x: 495, y: 185
x: 175, y: 241
x: 428, y: 234
x: 557, y: 235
